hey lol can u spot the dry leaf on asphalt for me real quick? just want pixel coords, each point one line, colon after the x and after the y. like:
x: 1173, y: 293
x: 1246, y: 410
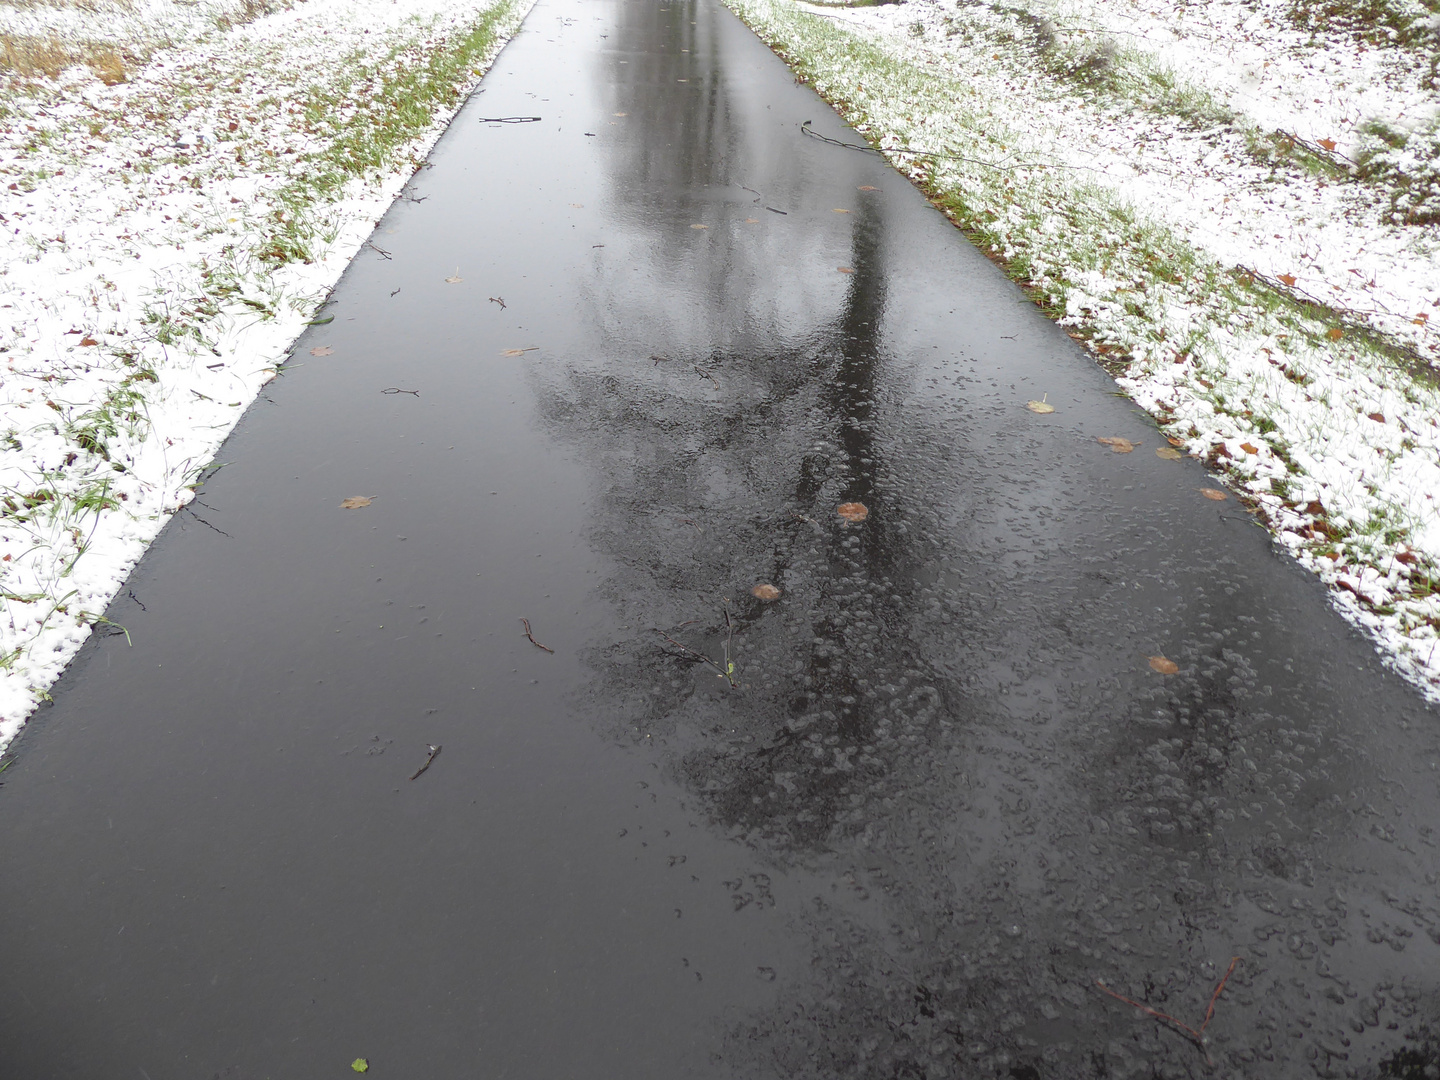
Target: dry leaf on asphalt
x: 1163, y: 666
x: 853, y: 511
x: 699, y: 226
x: 1214, y: 494
x: 519, y: 352
x: 867, y: 187
x: 1042, y: 406
x: 321, y: 350
x: 752, y: 221
x: 1169, y: 453
x: 845, y: 269
x: 355, y: 502
x: 765, y: 592
x: 1117, y: 444
x: 455, y: 278
x: 838, y: 210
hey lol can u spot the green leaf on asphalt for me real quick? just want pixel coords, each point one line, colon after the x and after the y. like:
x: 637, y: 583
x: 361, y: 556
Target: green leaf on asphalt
x: 360, y: 1065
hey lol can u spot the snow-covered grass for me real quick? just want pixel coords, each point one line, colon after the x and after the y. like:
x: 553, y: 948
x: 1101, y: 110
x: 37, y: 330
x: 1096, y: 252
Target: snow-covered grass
x: 1233, y: 204
x: 169, y: 228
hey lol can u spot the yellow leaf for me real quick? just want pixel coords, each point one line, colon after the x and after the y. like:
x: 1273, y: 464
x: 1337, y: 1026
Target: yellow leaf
x: 355, y: 502
x: 1042, y: 406
x: 1117, y: 444
x: 699, y: 226
x: 765, y: 592
x: 1169, y: 453
x: 1249, y: 448
x: 1163, y: 666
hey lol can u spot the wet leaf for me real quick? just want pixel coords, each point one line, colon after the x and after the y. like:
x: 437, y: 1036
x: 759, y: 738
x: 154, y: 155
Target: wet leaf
x: 853, y: 511
x: 1042, y: 406
x: 699, y: 226
x: 765, y: 592
x: 1214, y: 494
x: 1378, y: 417
x: 1163, y: 666
x: 1288, y: 279
x: 1334, y: 333
x: 838, y: 210
x: 1174, y: 441
x: 360, y: 1065
x: 1328, y: 144
x: 519, y: 352
x: 322, y: 350
x: 867, y: 187
x: 355, y: 502
x: 88, y: 340
x: 1169, y: 453
x: 845, y: 269
x: 1249, y: 448
x: 1117, y: 444
x: 752, y: 221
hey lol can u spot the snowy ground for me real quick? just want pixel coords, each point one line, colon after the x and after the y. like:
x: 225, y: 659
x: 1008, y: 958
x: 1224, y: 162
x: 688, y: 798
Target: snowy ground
x: 169, y: 229
x: 1235, y: 205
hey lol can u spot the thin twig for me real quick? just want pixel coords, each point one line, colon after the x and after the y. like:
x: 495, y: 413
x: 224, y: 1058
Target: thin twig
x: 706, y: 375
x: 507, y: 119
x: 396, y: 390
x: 532, y: 637
x: 1197, y: 1037
x: 498, y: 300
x: 434, y: 753
x: 382, y: 251
x: 882, y: 150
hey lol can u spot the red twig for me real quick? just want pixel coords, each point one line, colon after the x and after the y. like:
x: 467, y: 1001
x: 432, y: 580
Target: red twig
x: 1196, y: 1036
x: 532, y: 637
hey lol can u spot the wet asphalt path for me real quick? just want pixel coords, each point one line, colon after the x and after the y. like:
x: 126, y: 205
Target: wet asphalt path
x: 949, y: 792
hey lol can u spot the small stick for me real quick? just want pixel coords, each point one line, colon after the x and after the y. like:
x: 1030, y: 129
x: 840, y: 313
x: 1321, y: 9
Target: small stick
x: 532, y: 637
x: 498, y: 300
x: 397, y: 390
x: 1198, y: 1037
x: 706, y: 375
x: 434, y: 753
x: 382, y: 251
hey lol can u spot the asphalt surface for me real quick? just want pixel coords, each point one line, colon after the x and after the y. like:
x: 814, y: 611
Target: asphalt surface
x: 947, y: 793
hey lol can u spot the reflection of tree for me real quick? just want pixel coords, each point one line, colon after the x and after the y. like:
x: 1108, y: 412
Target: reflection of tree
x: 992, y: 902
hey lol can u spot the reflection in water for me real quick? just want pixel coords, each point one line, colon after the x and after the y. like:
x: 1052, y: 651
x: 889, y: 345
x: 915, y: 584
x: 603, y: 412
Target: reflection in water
x: 997, y: 836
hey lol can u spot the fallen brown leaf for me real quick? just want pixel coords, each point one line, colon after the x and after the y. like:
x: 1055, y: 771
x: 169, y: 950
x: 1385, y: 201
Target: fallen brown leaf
x: 1174, y: 441
x: 87, y: 340
x: 1214, y: 494
x: 1249, y: 448
x: 1117, y: 444
x: 355, y: 502
x: 1334, y: 333
x: 1378, y: 417
x: 853, y: 511
x: 867, y: 187
x: 752, y: 221
x: 1169, y: 453
x: 765, y: 592
x: 1163, y: 666
x: 1328, y: 144
x: 321, y: 350
x: 845, y: 269
x: 1288, y: 279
